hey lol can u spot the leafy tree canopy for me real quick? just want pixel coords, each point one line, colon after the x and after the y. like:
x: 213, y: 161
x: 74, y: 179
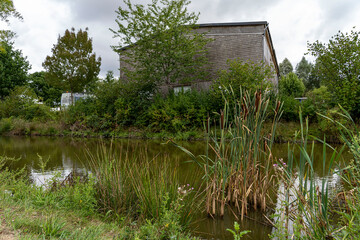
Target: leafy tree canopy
x: 338, y: 68
x: 291, y: 85
x: 73, y: 66
x: 7, y: 9
x: 48, y: 94
x: 240, y: 75
x: 247, y: 75
x: 314, y: 80
x: 303, y: 71
x: 158, y: 43
x: 285, y: 67
x: 13, y: 68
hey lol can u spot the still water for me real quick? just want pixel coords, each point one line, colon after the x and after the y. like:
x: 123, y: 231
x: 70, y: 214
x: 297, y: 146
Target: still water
x: 68, y: 154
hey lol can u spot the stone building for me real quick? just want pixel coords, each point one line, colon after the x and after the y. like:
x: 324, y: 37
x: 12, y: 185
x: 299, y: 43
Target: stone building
x: 248, y: 41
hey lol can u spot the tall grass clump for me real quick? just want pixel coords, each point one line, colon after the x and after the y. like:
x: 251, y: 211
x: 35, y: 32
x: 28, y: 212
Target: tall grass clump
x: 112, y: 183
x: 304, y: 206
x: 132, y: 185
x: 239, y: 173
x: 348, y: 200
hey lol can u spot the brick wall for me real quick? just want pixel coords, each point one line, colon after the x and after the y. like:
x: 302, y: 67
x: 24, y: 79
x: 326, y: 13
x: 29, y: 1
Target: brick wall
x: 231, y: 42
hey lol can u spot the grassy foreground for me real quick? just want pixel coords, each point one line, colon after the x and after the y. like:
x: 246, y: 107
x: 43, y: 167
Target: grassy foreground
x: 73, y: 209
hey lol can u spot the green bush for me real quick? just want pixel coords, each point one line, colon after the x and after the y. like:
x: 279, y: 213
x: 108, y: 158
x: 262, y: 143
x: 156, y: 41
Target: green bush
x: 178, y: 112
x: 38, y: 112
x: 291, y: 85
x: 243, y: 75
x: 249, y: 76
x: 290, y: 108
x: 5, y: 125
x: 328, y: 126
x: 22, y: 103
x: 319, y: 100
x: 80, y: 110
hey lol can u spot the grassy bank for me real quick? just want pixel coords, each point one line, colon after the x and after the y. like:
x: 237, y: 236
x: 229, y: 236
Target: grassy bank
x: 19, y: 127
x: 88, y: 207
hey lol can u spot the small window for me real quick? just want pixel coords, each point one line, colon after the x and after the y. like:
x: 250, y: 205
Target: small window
x: 182, y: 89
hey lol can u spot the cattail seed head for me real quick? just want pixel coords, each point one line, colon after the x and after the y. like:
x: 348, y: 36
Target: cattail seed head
x: 277, y: 107
x: 222, y: 119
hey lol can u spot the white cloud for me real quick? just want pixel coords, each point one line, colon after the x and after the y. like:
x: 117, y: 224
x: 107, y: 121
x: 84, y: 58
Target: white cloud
x: 43, y: 21
x: 292, y: 23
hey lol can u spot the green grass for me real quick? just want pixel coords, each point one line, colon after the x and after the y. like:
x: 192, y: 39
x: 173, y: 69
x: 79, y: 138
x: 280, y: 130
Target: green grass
x: 13, y: 126
x: 76, y: 210
x: 134, y: 186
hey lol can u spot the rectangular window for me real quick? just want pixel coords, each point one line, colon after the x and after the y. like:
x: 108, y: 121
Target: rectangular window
x: 182, y: 89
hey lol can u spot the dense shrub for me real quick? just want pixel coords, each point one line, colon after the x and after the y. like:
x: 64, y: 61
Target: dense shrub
x: 240, y: 75
x: 5, y: 125
x: 22, y: 102
x: 80, y: 110
x: 113, y: 104
x: 291, y: 85
x: 246, y: 75
x: 290, y: 108
x: 178, y: 112
x: 319, y: 100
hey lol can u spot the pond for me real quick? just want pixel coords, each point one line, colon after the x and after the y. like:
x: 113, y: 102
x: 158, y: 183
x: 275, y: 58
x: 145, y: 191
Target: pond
x: 68, y: 154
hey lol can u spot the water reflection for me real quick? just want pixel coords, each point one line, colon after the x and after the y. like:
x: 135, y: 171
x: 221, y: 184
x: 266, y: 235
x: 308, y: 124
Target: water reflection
x: 333, y: 182
x: 68, y: 154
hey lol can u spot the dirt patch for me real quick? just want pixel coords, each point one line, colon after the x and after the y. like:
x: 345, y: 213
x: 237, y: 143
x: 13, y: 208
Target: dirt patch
x: 6, y: 233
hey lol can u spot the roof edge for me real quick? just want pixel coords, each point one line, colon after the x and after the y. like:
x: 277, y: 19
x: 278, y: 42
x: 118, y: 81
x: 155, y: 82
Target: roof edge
x: 232, y: 24
x: 273, y: 49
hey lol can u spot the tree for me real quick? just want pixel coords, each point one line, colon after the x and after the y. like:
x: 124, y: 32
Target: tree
x: 158, y: 43
x: 13, y: 68
x: 247, y: 75
x: 72, y: 66
x: 314, y: 80
x: 109, y: 78
x: 50, y: 95
x: 291, y: 85
x: 338, y: 68
x: 303, y: 71
x: 7, y: 9
x: 285, y: 67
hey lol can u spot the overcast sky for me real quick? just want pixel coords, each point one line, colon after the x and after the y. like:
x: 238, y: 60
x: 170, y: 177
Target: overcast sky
x: 292, y: 23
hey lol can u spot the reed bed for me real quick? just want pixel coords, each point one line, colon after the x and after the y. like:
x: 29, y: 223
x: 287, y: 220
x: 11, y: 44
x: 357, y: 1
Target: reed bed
x: 134, y: 186
x: 239, y: 174
x: 304, y: 209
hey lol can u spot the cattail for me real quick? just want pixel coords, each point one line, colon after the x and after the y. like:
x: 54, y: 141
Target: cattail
x: 208, y: 124
x: 257, y: 101
x: 244, y: 107
x: 277, y: 107
x: 265, y: 146
x: 222, y: 119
